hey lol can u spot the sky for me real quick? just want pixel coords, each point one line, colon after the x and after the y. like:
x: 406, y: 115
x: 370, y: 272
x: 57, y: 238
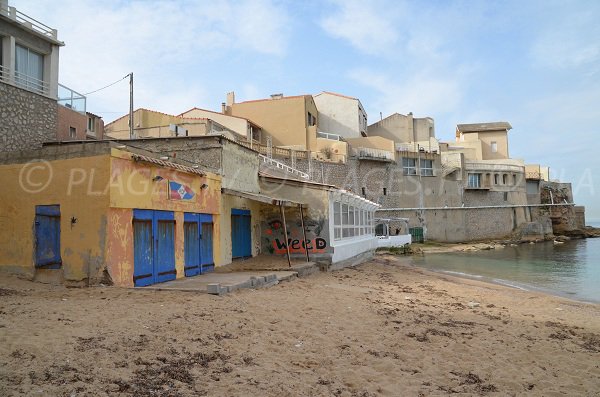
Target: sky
x: 535, y: 64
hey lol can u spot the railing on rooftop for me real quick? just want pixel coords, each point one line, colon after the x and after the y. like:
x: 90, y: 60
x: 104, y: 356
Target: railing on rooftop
x: 492, y: 167
x: 29, y: 22
x: 71, y: 99
x: 533, y: 175
x: 327, y: 135
x: 284, y: 167
x: 373, y: 154
x: 23, y: 80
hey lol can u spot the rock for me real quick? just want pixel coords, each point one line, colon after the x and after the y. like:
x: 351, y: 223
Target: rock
x: 473, y: 304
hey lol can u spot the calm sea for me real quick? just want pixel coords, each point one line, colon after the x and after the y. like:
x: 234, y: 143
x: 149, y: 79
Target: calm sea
x: 571, y: 269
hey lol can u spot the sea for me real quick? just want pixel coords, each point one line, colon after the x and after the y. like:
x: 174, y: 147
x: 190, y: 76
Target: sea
x: 570, y: 270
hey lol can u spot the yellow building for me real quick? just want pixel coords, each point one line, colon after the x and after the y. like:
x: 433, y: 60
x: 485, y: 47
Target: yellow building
x: 290, y: 121
x: 95, y: 212
x: 152, y: 124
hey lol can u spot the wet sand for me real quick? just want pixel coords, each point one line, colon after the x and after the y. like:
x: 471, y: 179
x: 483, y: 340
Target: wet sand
x: 380, y: 329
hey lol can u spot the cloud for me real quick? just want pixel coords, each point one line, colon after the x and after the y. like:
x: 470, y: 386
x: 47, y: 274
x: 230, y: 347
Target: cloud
x: 368, y: 26
x: 172, y: 47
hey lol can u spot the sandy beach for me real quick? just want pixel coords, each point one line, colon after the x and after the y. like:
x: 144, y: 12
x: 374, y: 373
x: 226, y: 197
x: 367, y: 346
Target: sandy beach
x: 380, y: 329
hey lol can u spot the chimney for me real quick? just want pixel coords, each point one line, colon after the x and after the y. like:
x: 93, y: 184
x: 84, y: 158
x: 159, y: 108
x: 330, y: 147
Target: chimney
x: 277, y: 96
x: 230, y: 98
x: 223, y: 108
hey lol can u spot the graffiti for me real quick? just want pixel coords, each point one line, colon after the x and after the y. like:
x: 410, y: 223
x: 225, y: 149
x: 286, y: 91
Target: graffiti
x: 316, y: 245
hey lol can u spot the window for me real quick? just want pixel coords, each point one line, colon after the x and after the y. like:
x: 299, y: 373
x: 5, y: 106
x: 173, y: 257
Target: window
x: 310, y: 119
x: 514, y: 179
x: 385, y: 191
x: 72, y: 132
x: 91, y: 125
x: 504, y: 179
x: 29, y: 69
x: 337, y: 220
x: 345, y: 231
x: 505, y: 196
x: 496, y: 179
x: 494, y: 146
x: 364, y: 192
x: 409, y: 166
x: 474, y: 181
x: 426, y: 167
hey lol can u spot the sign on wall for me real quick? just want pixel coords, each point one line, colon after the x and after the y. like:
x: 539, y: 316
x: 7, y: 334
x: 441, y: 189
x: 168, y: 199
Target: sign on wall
x: 177, y: 191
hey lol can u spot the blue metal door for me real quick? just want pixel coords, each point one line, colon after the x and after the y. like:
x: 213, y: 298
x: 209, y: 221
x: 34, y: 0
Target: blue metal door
x: 241, y: 236
x: 191, y: 247
x: 143, y: 262
x: 154, y: 247
x: 165, y: 247
x: 208, y: 263
x: 47, y: 236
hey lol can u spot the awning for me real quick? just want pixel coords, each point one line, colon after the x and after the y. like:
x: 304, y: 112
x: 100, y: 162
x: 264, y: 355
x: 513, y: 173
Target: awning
x: 263, y: 198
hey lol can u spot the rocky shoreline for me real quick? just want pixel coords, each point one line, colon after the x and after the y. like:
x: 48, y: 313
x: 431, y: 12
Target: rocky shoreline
x: 484, y: 245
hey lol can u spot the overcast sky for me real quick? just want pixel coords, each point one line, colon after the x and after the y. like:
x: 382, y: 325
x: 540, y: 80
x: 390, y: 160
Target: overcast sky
x: 535, y: 64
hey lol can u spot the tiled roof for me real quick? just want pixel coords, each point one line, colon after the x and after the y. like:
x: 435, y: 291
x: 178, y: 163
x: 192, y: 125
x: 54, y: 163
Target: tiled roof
x: 168, y: 164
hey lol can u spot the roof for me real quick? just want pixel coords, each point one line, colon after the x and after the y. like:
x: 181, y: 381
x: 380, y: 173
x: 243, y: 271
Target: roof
x: 212, y: 111
x: 484, y: 127
x: 336, y: 94
x: 168, y: 164
x: 271, y: 99
x: 262, y: 198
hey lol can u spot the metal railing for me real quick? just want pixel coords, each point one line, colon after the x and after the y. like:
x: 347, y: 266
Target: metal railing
x: 29, y: 22
x: 370, y: 153
x: 283, y: 167
x: 533, y: 175
x: 327, y: 135
x: 24, y: 81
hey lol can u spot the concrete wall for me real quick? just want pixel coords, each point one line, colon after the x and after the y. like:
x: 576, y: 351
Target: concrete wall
x: 403, y: 129
x: 68, y: 118
x: 340, y: 115
x: 483, y: 142
x: 374, y: 142
x: 83, y: 224
x: 26, y: 119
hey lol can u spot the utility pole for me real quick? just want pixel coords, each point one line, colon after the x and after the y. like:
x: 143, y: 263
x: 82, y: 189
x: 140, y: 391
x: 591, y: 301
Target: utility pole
x: 131, y: 134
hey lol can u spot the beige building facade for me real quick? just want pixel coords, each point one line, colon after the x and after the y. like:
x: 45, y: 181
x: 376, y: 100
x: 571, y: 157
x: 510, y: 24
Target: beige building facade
x: 341, y: 115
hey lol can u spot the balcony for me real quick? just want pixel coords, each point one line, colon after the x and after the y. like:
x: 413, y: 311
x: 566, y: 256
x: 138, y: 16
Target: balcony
x: 327, y: 135
x: 493, y: 167
x: 24, y: 81
x: 364, y: 153
x: 71, y: 99
x: 28, y: 22
x: 536, y: 176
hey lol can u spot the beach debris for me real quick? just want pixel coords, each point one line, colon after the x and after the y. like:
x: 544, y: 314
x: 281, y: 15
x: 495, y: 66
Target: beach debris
x: 299, y: 344
x: 473, y: 304
x: 559, y: 308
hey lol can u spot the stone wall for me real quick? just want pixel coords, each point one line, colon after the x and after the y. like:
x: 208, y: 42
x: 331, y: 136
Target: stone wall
x: 26, y: 119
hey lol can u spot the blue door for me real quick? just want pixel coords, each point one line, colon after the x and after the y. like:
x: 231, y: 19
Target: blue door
x: 143, y: 262
x: 154, y: 247
x: 191, y: 231
x: 241, y: 236
x: 208, y: 263
x: 47, y: 236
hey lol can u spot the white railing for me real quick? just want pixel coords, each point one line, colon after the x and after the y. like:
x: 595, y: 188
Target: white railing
x: 27, y: 21
x: 364, y: 152
x: 497, y: 167
x: 283, y: 167
x: 24, y: 81
x: 405, y: 147
x: 327, y: 135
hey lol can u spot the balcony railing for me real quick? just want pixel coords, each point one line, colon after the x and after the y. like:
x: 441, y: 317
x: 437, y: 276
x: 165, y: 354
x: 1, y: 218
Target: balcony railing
x: 284, y: 167
x: 27, y: 21
x: 533, y: 175
x: 327, y: 135
x: 23, y: 80
x: 373, y: 154
x: 71, y: 99
x: 493, y: 167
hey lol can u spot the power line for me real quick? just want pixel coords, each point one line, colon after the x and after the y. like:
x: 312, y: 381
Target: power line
x: 110, y: 85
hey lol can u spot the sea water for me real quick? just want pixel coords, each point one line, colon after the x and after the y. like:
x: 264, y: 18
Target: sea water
x: 571, y: 269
